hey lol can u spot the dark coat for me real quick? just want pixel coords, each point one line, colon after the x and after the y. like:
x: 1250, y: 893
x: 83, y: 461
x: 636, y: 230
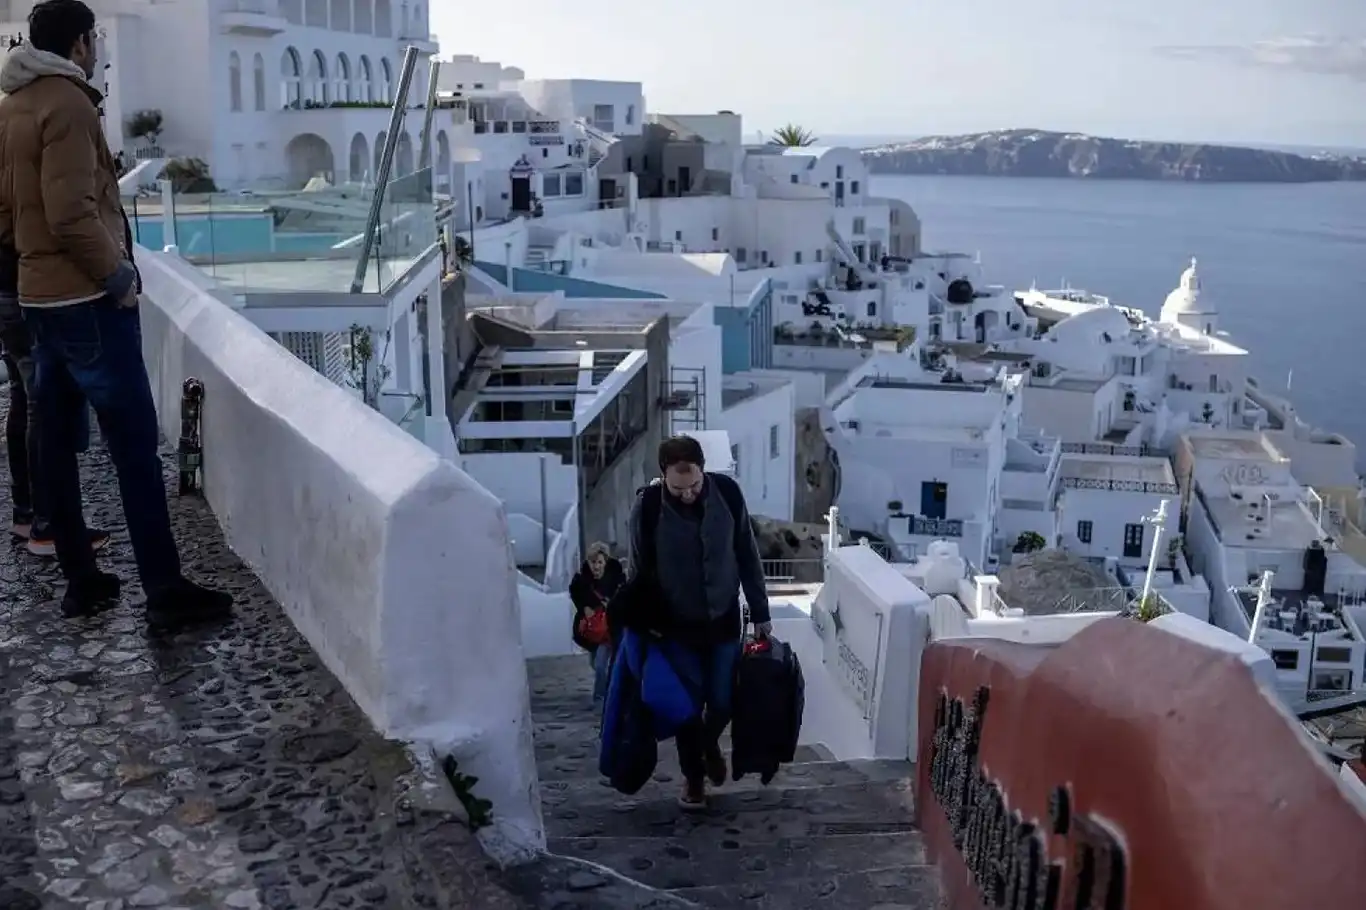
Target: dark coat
x: 586, y: 591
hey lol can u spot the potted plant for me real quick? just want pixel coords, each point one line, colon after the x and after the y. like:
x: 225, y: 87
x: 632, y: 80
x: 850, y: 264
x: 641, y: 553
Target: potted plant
x: 147, y: 125
x: 1028, y: 542
x: 1173, y: 548
x: 1146, y: 609
x: 1207, y: 413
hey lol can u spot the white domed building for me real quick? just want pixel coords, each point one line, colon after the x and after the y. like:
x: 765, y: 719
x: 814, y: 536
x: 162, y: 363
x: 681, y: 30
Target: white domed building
x: 1188, y: 307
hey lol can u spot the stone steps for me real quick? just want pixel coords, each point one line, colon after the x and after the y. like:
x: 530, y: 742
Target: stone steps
x: 823, y: 833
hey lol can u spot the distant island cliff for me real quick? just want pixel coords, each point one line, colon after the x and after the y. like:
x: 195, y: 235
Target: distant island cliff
x: 1039, y: 153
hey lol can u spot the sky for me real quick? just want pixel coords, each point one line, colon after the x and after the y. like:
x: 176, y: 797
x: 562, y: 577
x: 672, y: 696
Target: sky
x: 1242, y: 71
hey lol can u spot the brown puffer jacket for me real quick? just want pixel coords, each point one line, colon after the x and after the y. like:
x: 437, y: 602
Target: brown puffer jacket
x: 59, y: 197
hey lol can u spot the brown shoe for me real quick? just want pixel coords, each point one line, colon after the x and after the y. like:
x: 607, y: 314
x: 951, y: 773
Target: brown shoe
x: 694, y: 796
x: 716, y: 767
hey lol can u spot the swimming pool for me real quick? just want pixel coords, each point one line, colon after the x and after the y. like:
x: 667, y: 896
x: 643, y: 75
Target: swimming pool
x: 228, y: 235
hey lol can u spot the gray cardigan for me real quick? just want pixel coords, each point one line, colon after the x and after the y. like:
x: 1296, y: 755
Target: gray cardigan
x: 705, y: 556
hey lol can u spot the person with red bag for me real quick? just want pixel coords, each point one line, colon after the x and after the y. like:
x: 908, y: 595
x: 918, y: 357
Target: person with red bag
x: 590, y: 591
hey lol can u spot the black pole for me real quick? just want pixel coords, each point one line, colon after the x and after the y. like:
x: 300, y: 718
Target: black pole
x: 469, y: 201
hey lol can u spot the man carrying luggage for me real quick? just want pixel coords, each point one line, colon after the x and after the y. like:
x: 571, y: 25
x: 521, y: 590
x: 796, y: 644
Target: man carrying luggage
x: 691, y: 530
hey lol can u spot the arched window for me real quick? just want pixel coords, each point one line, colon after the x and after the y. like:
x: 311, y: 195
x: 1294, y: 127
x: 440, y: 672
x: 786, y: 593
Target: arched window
x: 386, y: 85
x: 234, y: 82
x: 291, y: 72
x: 341, y: 79
x: 365, y: 81
x: 317, y: 78
x: 258, y: 74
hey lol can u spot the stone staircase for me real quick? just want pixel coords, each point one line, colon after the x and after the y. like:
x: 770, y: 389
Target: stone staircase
x: 823, y: 833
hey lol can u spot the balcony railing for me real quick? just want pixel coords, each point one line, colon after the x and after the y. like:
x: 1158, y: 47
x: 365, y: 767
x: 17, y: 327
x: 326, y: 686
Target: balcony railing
x: 935, y: 527
x: 1109, y: 448
x: 1121, y: 486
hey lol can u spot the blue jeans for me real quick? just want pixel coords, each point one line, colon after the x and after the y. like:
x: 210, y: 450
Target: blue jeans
x: 602, y: 668
x: 701, y: 736
x: 93, y: 352
x: 28, y: 491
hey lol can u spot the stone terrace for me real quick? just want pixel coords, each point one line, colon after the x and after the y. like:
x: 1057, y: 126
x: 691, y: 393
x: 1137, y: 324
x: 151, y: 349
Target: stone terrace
x: 220, y: 769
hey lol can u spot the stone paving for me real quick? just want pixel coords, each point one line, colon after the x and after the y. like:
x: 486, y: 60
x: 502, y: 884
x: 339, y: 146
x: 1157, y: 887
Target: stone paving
x: 224, y: 768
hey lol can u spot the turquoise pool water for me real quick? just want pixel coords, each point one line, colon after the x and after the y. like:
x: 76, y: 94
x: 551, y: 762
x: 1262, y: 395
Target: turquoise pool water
x: 228, y: 235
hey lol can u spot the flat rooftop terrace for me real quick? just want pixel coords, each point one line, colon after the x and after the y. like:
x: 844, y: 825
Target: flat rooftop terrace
x: 1124, y: 468
x: 1246, y: 446
x: 1288, y: 527
x: 1282, y: 599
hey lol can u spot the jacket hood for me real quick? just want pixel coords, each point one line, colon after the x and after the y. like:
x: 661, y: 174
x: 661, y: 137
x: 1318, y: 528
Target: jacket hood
x: 26, y: 64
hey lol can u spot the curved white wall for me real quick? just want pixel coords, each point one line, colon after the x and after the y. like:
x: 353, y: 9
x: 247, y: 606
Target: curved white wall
x: 389, y: 559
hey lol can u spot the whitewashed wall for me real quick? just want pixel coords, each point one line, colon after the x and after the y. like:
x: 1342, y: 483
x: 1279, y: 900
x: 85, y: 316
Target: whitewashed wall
x: 393, y: 563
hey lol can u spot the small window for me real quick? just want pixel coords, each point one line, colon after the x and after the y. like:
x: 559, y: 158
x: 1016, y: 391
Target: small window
x: 825, y: 184
x: 478, y: 85
x: 820, y: 255
x: 628, y: 164
x: 872, y: 308
x: 562, y: 406
x: 794, y: 178
x: 741, y: 254
x: 839, y: 172
x: 763, y: 256
x: 1286, y: 660
x: 853, y: 188
x: 573, y: 184
x: 715, y: 233
x: 1335, y: 655
x: 797, y: 258
x: 1332, y: 680
x: 550, y: 185
x: 859, y: 225
x: 1084, y: 531
x: 773, y: 444
x: 678, y: 235
x: 630, y: 114
x: 545, y: 153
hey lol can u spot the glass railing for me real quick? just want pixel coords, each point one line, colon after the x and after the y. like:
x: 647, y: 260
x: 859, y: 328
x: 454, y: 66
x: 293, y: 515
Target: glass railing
x: 300, y: 240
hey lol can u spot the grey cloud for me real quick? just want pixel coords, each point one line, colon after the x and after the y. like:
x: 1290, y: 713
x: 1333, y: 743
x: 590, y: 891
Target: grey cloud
x: 1342, y: 57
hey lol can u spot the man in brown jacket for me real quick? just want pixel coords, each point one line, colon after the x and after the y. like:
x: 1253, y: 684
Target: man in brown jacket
x: 60, y: 210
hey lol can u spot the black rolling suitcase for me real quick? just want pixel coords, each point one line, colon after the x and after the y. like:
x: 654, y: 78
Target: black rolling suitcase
x: 770, y: 695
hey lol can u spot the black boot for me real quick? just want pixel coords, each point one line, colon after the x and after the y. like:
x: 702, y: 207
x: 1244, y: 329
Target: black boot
x: 185, y: 605
x: 90, y: 595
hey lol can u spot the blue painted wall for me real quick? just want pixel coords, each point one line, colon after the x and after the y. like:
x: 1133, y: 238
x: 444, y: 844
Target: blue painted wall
x: 747, y: 332
x: 531, y: 281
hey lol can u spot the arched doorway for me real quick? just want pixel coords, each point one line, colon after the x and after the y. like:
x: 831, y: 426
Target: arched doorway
x: 382, y: 138
x: 309, y: 156
x: 360, y: 158
x: 403, y: 156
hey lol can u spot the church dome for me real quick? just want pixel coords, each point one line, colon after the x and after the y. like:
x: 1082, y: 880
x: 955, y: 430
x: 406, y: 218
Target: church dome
x: 1186, y: 299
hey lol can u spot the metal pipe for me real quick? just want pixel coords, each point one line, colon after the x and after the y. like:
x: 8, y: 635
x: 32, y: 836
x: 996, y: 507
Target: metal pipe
x: 386, y: 165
